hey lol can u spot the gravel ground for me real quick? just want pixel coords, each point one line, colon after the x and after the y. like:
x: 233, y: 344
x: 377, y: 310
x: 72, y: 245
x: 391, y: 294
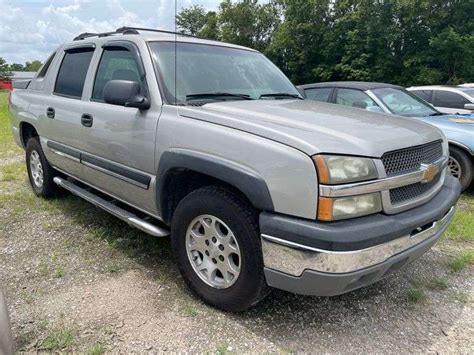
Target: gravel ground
x: 78, y: 280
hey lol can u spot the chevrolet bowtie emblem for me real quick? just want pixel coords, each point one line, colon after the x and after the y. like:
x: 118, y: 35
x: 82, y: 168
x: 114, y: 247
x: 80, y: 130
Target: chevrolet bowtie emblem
x: 429, y: 172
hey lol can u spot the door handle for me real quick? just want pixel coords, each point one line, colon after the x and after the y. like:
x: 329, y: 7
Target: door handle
x: 50, y: 112
x: 87, y: 120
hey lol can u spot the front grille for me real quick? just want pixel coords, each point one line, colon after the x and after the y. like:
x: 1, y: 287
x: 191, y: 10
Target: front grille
x: 409, y: 192
x: 409, y: 159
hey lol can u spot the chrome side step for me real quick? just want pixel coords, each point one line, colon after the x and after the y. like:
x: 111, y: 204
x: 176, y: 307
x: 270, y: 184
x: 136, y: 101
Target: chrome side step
x: 124, y: 215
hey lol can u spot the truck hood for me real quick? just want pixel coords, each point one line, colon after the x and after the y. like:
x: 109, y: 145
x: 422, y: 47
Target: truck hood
x: 316, y: 127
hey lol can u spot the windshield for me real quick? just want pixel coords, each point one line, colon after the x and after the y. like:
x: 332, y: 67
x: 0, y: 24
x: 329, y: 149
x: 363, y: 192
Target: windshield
x: 207, y: 72
x: 404, y: 103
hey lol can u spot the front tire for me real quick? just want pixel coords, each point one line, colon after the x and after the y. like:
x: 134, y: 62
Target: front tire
x: 460, y: 166
x: 217, y: 245
x: 40, y: 173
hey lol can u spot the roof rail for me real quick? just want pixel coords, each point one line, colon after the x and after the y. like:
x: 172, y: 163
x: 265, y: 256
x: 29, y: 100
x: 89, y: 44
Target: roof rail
x: 126, y: 31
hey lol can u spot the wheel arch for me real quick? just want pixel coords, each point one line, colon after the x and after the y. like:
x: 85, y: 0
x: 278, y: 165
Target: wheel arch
x: 463, y: 147
x: 27, y: 131
x: 182, y: 171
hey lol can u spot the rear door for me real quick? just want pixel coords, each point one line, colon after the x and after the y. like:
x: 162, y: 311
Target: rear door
x: 119, y: 143
x: 63, y: 133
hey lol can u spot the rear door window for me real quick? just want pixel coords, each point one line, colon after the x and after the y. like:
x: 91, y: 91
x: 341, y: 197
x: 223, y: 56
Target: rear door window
x: 426, y: 95
x: 354, y: 98
x: 73, y: 71
x: 449, y: 99
x: 318, y: 94
x: 117, y: 63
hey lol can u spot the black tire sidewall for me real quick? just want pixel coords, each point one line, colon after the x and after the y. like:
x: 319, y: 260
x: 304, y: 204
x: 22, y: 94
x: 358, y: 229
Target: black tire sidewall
x: 246, y: 290
x: 48, y: 189
x: 466, y: 166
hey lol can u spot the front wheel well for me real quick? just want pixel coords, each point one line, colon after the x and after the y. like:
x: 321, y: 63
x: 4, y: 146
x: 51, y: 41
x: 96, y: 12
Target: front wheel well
x: 180, y: 182
x: 27, y: 131
x: 462, y: 149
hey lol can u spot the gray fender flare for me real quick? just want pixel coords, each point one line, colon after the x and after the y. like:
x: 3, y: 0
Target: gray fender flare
x: 251, y: 184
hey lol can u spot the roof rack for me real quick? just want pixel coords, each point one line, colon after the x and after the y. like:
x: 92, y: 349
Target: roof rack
x: 126, y: 31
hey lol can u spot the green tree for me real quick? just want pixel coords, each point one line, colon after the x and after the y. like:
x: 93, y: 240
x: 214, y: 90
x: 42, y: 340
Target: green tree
x: 17, y: 67
x: 5, y: 73
x: 191, y: 20
x: 33, y: 66
x: 248, y: 22
x: 404, y: 42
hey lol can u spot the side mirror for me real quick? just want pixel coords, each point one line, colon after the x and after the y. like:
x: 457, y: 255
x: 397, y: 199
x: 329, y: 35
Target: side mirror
x: 125, y: 93
x: 469, y: 107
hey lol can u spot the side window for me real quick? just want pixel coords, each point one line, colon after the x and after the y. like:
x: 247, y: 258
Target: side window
x: 117, y: 63
x: 46, y: 66
x: 72, y: 73
x: 354, y: 98
x: 449, y: 99
x: 320, y: 94
x: 424, y: 94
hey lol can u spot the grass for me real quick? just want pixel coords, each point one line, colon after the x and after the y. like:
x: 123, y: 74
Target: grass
x: 58, y: 339
x: 8, y: 147
x: 437, y: 283
x: 13, y: 172
x: 460, y: 262
x: 462, y: 297
x: 462, y: 227
x: 415, y: 295
x: 97, y: 349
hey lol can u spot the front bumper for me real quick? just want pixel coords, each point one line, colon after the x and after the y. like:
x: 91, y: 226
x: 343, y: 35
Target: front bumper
x: 325, y: 259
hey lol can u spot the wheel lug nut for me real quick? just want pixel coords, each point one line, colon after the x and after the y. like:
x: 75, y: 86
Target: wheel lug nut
x: 221, y: 258
x: 207, y: 252
x: 214, y: 239
x: 221, y: 247
x: 214, y: 261
x: 207, y: 242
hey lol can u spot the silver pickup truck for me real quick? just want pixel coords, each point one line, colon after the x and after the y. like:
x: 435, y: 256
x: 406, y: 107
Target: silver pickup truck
x: 210, y: 143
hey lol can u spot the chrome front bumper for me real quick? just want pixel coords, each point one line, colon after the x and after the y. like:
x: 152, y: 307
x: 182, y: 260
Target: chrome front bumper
x: 293, y: 259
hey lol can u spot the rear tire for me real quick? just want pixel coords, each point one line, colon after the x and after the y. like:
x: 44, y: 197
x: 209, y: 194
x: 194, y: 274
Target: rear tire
x: 216, y: 242
x: 460, y: 166
x: 40, y: 173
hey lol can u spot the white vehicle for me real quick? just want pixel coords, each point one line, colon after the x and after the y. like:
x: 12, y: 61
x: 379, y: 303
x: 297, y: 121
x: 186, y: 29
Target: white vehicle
x: 467, y: 85
x: 447, y: 99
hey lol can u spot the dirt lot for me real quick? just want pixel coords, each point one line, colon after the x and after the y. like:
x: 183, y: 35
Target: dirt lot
x: 79, y: 280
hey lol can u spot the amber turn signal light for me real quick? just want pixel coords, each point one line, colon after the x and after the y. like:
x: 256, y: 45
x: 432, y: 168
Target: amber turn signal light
x: 325, y: 208
x: 322, y: 169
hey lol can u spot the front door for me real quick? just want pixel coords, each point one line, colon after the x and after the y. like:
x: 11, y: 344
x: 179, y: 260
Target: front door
x: 120, y: 143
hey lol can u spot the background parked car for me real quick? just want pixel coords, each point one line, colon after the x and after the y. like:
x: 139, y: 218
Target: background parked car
x: 447, y: 99
x: 396, y: 100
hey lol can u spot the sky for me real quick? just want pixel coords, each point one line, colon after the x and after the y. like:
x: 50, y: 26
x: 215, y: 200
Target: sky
x: 33, y: 29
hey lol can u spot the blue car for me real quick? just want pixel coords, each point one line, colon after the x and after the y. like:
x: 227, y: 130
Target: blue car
x: 380, y: 97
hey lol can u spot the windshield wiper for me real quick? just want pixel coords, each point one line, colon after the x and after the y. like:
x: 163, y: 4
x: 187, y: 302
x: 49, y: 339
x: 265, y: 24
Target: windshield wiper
x: 217, y: 94
x: 436, y: 114
x: 285, y: 94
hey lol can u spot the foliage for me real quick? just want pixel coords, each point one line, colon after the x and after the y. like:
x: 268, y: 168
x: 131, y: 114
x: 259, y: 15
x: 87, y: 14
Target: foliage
x: 6, y: 69
x: 5, y: 73
x: 406, y: 42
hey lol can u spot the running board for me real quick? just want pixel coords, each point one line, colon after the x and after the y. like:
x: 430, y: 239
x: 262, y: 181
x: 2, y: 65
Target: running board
x: 124, y: 215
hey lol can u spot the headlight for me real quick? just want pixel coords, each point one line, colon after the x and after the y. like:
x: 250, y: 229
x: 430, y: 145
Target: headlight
x: 336, y: 169
x: 332, y: 209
